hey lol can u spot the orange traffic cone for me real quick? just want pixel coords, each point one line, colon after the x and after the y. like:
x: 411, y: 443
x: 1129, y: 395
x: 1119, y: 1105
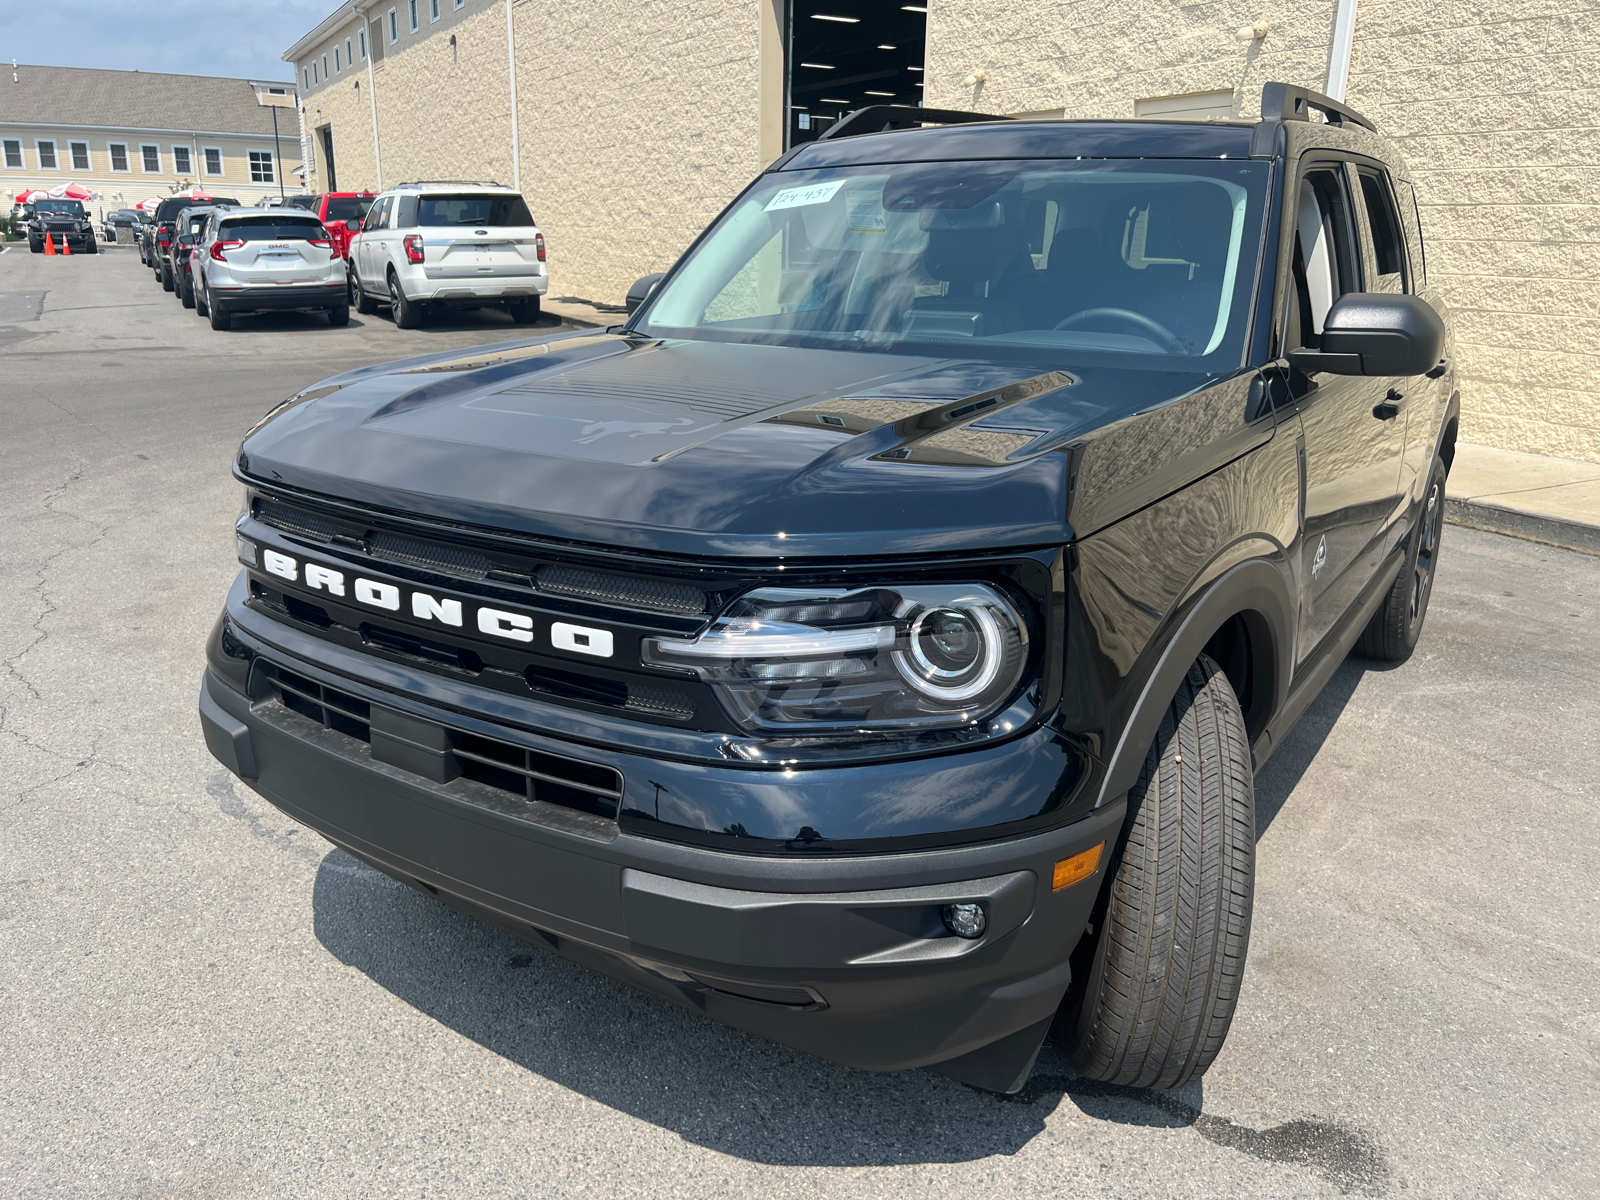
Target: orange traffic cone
x: 66, y: 246
x: 49, y: 244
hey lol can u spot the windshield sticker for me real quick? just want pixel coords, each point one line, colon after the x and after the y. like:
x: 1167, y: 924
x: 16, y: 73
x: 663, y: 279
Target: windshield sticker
x: 799, y: 197
x: 866, y: 212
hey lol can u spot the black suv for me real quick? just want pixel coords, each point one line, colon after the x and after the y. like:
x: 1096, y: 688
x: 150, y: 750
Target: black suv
x: 64, y: 223
x: 160, y: 238
x: 871, y: 643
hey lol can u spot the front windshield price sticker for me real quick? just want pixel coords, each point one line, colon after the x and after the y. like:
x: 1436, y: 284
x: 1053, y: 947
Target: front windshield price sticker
x: 866, y: 212
x: 798, y: 197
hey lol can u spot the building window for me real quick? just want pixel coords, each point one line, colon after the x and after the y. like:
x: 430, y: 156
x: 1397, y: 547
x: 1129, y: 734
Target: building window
x: 461, y: 3
x: 213, y: 160
x: 277, y: 91
x: 415, y: 24
x: 433, y: 10
x: 325, y: 65
x: 47, y: 156
x: 80, y: 155
x: 338, y: 68
x: 394, y: 28
x: 362, y: 36
x: 119, y: 155
x: 14, y: 154
x: 261, y: 167
x: 349, y: 54
x: 180, y: 160
x: 152, y: 159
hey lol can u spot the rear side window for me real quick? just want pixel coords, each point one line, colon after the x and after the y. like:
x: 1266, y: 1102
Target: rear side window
x: 348, y: 208
x: 1411, y: 220
x: 490, y: 210
x: 1384, y: 224
x: 271, y: 229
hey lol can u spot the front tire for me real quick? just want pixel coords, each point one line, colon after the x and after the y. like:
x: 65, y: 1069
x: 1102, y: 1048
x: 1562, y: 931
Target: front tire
x: 91, y: 246
x: 407, y: 313
x: 1163, y: 979
x: 365, y: 304
x: 1392, y: 633
x: 36, y: 247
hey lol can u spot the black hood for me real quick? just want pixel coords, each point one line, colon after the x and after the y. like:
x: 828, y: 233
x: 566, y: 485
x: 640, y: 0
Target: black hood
x: 708, y: 448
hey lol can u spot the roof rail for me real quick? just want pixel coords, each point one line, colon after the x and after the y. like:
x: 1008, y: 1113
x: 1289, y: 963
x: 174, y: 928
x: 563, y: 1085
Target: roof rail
x: 878, y: 117
x: 1282, y: 102
x: 448, y: 183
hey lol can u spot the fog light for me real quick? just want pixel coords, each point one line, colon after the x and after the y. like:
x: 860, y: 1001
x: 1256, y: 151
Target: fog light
x: 247, y: 551
x: 965, y: 920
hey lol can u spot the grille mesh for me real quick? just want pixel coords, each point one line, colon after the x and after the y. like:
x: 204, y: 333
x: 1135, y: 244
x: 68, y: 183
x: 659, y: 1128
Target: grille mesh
x: 294, y: 520
x: 447, y: 560
x: 678, y: 598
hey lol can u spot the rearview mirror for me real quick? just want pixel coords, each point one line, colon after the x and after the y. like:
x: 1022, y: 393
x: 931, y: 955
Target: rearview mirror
x: 1375, y: 333
x: 640, y: 291
x: 353, y: 226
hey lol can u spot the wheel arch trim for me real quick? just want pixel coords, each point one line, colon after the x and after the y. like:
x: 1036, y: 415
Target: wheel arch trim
x: 1253, y: 587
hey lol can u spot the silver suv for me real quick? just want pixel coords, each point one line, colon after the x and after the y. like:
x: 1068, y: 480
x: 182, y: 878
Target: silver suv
x: 448, y: 245
x: 260, y: 260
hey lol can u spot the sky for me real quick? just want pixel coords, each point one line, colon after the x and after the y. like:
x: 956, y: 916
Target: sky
x: 240, y: 38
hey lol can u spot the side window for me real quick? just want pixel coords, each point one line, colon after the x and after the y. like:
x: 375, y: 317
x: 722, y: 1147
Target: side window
x: 1411, y: 222
x: 1383, y: 223
x: 1324, y: 266
x: 375, y: 215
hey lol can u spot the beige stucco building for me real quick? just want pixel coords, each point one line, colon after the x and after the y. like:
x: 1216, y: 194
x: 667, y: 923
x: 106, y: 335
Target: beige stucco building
x: 628, y: 125
x: 129, y: 135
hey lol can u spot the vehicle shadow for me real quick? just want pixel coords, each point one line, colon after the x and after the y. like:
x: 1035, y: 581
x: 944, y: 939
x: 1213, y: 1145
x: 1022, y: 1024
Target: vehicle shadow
x: 1291, y: 760
x: 727, y: 1090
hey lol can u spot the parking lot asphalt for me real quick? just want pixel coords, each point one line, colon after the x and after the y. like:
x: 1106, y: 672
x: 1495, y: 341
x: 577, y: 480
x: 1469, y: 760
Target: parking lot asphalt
x: 200, y: 999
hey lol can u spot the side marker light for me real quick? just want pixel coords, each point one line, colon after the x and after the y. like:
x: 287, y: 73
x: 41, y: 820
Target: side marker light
x: 1077, y: 868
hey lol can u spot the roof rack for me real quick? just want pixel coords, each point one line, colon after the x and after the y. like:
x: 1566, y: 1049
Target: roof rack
x: 448, y: 183
x: 878, y: 117
x: 1282, y: 102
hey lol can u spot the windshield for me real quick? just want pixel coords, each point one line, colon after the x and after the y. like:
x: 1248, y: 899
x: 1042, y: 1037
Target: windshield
x: 1116, y: 257
x: 491, y: 210
x: 348, y: 208
x: 71, y: 208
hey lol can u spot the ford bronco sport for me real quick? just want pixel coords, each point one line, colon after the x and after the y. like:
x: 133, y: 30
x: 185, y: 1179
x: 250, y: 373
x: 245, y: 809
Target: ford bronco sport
x: 870, y: 644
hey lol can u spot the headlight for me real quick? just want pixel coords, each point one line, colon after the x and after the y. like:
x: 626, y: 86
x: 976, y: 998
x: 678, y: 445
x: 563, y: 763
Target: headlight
x: 798, y: 661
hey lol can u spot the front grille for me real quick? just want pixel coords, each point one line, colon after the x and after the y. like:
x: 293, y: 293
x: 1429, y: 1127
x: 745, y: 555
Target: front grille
x: 447, y: 560
x: 442, y: 753
x: 293, y: 519
x: 604, y: 588
x: 536, y: 775
x: 333, y: 709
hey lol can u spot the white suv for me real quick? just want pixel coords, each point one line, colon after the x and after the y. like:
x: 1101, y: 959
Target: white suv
x: 260, y: 260
x: 455, y: 245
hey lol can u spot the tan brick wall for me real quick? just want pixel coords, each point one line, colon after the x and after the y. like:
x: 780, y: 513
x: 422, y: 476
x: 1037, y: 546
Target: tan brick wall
x: 1489, y: 103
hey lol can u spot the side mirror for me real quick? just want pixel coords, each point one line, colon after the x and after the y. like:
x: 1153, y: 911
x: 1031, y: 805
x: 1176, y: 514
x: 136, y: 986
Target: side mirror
x: 1375, y: 333
x: 352, y: 226
x: 640, y: 291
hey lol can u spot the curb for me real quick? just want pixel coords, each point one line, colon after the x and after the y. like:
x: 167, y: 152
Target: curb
x: 1549, y: 531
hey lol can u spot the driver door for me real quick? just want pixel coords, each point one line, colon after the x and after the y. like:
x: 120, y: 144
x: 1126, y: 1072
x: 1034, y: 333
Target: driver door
x: 1353, y: 443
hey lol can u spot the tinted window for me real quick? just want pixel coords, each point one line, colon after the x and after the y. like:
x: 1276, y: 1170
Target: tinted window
x: 270, y: 229
x: 473, y: 210
x: 349, y: 208
x: 1324, y: 257
x: 1384, y: 224
x: 72, y: 208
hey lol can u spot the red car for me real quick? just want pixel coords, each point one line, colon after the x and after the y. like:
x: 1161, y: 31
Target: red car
x: 341, y: 213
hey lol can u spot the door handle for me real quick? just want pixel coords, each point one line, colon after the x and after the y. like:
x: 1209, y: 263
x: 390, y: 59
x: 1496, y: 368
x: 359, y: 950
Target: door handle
x: 1388, y: 408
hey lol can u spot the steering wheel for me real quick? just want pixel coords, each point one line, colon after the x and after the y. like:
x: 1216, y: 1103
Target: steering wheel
x: 1127, y: 315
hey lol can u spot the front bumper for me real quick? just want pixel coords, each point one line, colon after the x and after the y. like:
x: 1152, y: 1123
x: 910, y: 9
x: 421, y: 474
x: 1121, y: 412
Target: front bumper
x: 286, y: 296
x: 842, y: 956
